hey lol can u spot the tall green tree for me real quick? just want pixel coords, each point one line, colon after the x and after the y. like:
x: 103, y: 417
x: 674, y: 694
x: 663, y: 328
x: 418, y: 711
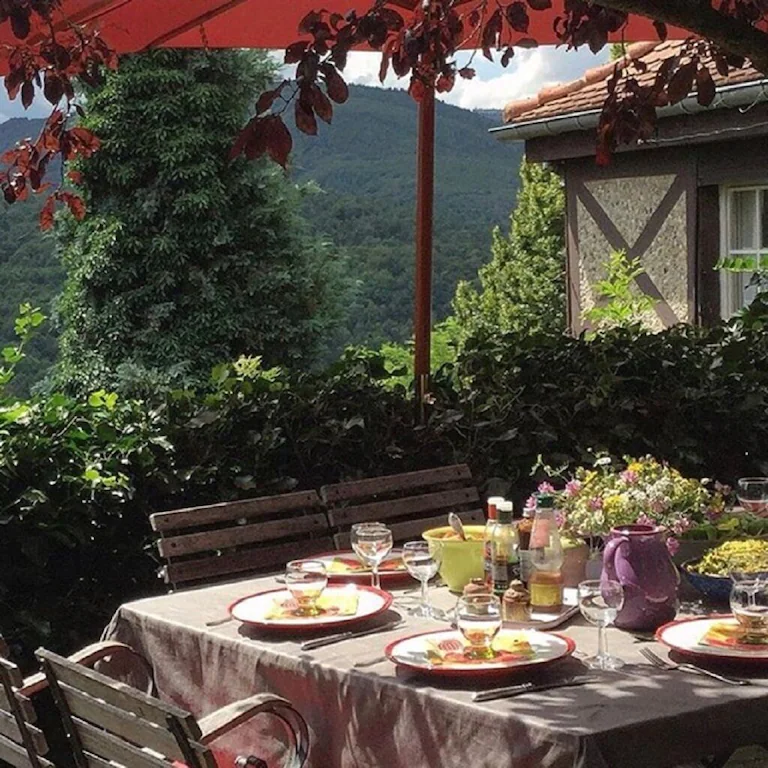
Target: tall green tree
x: 523, y: 286
x: 185, y: 258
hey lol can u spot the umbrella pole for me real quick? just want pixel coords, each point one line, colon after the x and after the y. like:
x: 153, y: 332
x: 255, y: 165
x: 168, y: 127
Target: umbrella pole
x: 425, y: 195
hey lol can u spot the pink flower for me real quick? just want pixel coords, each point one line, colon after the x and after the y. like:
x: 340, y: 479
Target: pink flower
x: 680, y: 526
x: 673, y: 545
x: 595, y: 504
x: 657, y: 506
x: 645, y: 520
x: 546, y: 487
x: 629, y: 476
x: 530, y: 504
x: 559, y: 518
x: 572, y: 487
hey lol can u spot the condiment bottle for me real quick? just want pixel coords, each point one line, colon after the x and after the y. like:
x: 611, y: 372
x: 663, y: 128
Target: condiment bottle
x: 524, y: 528
x: 505, y: 566
x: 514, y: 604
x: 493, y: 503
x: 546, y: 554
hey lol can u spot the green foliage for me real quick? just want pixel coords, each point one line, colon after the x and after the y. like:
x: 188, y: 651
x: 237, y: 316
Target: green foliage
x: 398, y: 358
x: 619, y: 302
x: 523, y: 286
x: 184, y: 258
x: 25, y: 327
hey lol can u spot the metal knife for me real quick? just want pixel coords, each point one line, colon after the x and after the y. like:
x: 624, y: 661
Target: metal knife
x: 517, y: 690
x: 311, y: 645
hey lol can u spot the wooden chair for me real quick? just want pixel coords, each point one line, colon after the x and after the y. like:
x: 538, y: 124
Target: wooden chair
x: 408, y: 503
x: 224, y: 540
x: 22, y: 743
x: 109, y: 723
x: 27, y: 729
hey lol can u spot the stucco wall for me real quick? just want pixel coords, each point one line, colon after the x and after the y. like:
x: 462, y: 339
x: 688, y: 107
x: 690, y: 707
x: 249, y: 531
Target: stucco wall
x: 630, y: 204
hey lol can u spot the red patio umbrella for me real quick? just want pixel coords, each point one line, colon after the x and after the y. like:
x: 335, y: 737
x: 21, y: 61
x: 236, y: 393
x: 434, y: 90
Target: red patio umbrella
x: 135, y: 25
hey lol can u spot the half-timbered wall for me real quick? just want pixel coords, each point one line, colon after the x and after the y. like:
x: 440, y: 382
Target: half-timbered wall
x: 643, y: 209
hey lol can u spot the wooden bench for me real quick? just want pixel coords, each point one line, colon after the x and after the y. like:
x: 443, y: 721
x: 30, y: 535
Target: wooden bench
x: 408, y: 503
x: 226, y: 540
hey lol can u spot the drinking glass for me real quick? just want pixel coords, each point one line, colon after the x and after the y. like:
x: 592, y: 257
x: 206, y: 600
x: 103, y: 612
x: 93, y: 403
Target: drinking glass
x: 422, y: 561
x: 752, y: 493
x: 306, y: 580
x: 478, y: 617
x: 749, y: 604
x: 372, y: 542
x: 600, y: 603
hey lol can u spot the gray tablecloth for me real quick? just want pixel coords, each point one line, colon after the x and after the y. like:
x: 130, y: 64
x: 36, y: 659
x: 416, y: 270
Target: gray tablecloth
x: 379, y: 716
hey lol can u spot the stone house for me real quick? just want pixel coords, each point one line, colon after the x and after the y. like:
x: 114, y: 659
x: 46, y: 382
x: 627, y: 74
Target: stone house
x: 693, y: 194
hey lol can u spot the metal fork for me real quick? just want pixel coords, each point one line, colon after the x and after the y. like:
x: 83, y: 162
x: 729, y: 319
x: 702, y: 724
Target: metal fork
x: 660, y: 663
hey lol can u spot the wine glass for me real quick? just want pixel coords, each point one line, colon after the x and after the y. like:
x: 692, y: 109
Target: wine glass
x: 422, y: 561
x: 478, y: 617
x: 749, y: 604
x: 752, y: 493
x: 600, y: 603
x: 372, y: 542
x: 306, y: 580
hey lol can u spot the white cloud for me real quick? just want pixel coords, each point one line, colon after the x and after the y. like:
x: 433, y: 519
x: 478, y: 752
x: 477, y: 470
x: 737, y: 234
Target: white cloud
x: 493, y: 86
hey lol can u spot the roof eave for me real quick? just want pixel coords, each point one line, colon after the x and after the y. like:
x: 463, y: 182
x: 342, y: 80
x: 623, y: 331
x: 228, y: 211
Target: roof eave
x: 726, y: 97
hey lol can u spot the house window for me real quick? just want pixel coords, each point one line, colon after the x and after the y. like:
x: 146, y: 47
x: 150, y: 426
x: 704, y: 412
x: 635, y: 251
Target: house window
x: 745, y: 245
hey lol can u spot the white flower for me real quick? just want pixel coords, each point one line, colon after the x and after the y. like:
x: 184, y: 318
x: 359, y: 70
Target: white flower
x: 603, y: 461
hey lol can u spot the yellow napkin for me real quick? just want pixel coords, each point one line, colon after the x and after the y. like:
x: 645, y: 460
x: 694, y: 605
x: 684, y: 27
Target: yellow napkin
x: 508, y: 647
x: 340, y: 603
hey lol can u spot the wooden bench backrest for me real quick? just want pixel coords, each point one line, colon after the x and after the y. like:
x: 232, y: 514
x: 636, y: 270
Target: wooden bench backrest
x: 408, y: 503
x: 107, y: 722
x: 229, y: 539
x: 22, y: 743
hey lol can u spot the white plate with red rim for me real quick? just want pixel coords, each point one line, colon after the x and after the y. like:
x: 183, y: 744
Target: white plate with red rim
x: 255, y: 610
x: 685, y: 636
x: 391, y: 569
x: 524, y: 649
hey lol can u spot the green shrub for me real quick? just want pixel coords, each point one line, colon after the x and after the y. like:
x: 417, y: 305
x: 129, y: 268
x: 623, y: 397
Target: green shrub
x: 79, y: 479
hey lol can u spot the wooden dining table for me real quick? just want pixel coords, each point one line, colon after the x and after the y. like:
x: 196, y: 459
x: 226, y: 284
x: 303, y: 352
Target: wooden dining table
x: 364, y: 712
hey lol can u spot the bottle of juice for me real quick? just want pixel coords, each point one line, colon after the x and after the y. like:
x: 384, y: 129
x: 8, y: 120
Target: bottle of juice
x: 546, y: 555
x: 505, y: 565
x: 493, y: 504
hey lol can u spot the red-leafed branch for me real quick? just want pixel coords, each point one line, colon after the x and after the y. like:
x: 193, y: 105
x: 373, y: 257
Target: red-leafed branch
x: 51, y: 64
x: 423, y: 44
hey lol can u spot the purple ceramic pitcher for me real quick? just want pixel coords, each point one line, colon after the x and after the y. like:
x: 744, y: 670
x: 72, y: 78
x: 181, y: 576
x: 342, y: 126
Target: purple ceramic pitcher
x: 636, y: 556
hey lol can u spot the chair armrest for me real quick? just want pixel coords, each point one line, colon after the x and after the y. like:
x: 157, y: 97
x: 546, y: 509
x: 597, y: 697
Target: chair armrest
x: 227, y: 718
x: 88, y: 657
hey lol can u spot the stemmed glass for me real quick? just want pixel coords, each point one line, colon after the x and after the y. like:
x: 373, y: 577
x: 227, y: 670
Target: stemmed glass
x: 752, y: 493
x: 600, y: 603
x: 749, y: 604
x: 306, y: 580
x: 422, y: 561
x: 478, y: 617
x: 372, y: 542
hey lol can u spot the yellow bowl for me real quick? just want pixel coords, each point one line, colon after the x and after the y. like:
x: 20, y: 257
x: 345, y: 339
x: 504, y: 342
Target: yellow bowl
x: 462, y: 560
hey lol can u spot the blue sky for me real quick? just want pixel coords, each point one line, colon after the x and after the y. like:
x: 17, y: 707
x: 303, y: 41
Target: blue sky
x: 493, y: 86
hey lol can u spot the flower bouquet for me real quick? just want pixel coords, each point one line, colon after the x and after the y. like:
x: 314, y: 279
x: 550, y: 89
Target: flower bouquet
x: 640, y: 491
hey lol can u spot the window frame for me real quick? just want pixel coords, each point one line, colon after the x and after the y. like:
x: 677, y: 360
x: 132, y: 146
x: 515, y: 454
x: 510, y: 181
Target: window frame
x: 734, y: 284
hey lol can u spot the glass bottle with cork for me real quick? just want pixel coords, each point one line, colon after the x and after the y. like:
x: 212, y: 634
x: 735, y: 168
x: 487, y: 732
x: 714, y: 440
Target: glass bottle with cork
x: 493, y: 504
x: 505, y: 565
x: 546, y: 555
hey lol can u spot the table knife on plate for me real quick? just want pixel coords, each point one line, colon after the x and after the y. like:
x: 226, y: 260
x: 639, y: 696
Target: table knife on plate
x: 517, y: 690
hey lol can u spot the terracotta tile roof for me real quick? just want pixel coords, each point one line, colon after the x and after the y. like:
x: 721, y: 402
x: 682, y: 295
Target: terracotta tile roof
x: 590, y: 91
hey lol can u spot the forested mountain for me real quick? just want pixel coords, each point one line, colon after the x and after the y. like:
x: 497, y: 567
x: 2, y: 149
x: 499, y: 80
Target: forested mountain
x: 365, y: 163
x: 364, y: 166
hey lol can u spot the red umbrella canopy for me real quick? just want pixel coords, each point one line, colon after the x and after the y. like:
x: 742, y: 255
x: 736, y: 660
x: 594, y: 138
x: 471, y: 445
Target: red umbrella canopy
x: 133, y: 25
